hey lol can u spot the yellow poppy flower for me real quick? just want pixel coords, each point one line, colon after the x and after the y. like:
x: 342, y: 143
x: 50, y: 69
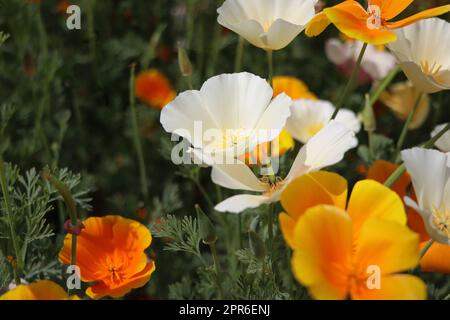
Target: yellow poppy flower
x: 41, y: 290
x: 352, y: 251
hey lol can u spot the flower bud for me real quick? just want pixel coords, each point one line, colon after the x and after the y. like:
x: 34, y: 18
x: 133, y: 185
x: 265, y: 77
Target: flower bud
x: 367, y: 116
x: 184, y: 63
x: 257, y: 246
x: 205, y: 226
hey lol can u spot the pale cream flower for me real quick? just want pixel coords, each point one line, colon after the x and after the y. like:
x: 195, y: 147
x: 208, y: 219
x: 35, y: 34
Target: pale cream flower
x: 423, y: 52
x: 430, y: 174
x: 267, y: 24
x: 326, y: 148
x: 309, y: 116
x: 228, y: 116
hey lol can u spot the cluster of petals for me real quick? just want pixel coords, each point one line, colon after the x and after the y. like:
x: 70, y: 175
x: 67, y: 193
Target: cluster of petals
x: 338, y: 247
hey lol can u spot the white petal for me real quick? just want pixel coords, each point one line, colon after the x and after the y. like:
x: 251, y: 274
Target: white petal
x: 281, y: 33
x: 444, y: 141
x: 329, y: 145
x: 378, y: 63
x: 239, y: 203
x: 337, y: 51
x: 274, y: 119
x: 238, y: 100
x: 181, y: 114
x: 349, y: 119
x: 324, y: 149
x: 429, y: 173
x: 236, y: 176
x: 307, y: 117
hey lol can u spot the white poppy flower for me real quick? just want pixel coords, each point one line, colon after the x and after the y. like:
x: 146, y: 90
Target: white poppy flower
x: 377, y: 63
x: 229, y: 115
x: 309, y: 116
x: 267, y: 24
x: 423, y: 51
x: 326, y: 148
x: 444, y: 142
x: 430, y: 174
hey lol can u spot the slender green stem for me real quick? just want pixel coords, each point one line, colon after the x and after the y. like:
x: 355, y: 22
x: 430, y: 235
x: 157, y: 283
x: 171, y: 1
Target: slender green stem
x: 73, y: 257
x: 270, y: 225
x: 371, y: 146
x: 17, y: 264
x: 204, y: 193
x: 239, y: 54
x: 426, y: 248
x: 241, y: 242
x: 270, y: 66
x: 405, y: 129
x: 136, y: 138
x: 351, y: 82
x: 395, y: 176
x: 430, y: 143
x: 400, y: 170
x: 212, y: 246
x: 383, y: 85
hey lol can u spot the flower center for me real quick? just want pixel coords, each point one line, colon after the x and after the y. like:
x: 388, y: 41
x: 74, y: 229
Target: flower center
x: 441, y: 220
x: 272, y: 186
x: 430, y: 68
x: 230, y: 138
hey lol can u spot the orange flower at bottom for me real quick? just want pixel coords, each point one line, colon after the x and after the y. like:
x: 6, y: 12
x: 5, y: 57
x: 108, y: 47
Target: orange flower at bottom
x: 437, y: 258
x: 356, y: 251
x: 41, y: 290
x: 154, y: 88
x: 110, y: 253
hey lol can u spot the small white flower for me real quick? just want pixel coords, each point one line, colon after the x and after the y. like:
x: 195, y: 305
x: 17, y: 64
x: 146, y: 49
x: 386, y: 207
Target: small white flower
x: 376, y: 63
x: 309, y: 116
x: 430, y: 174
x: 444, y: 142
x: 326, y: 148
x: 267, y: 24
x: 229, y: 115
x: 423, y: 51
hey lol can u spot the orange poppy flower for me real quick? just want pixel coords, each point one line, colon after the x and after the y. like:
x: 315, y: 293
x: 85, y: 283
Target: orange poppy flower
x: 154, y: 88
x: 342, y: 251
x: 293, y: 87
x: 372, y: 25
x: 41, y: 290
x: 110, y: 253
x: 437, y: 258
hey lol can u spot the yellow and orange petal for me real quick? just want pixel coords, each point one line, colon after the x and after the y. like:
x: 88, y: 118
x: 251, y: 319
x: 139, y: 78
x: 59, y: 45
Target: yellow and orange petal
x: 381, y: 170
x: 293, y: 87
x: 154, y: 88
x: 371, y: 199
x: 41, y: 290
x: 352, y: 19
x: 322, y: 259
x: 306, y: 192
x: 110, y: 253
x: 430, y: 13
